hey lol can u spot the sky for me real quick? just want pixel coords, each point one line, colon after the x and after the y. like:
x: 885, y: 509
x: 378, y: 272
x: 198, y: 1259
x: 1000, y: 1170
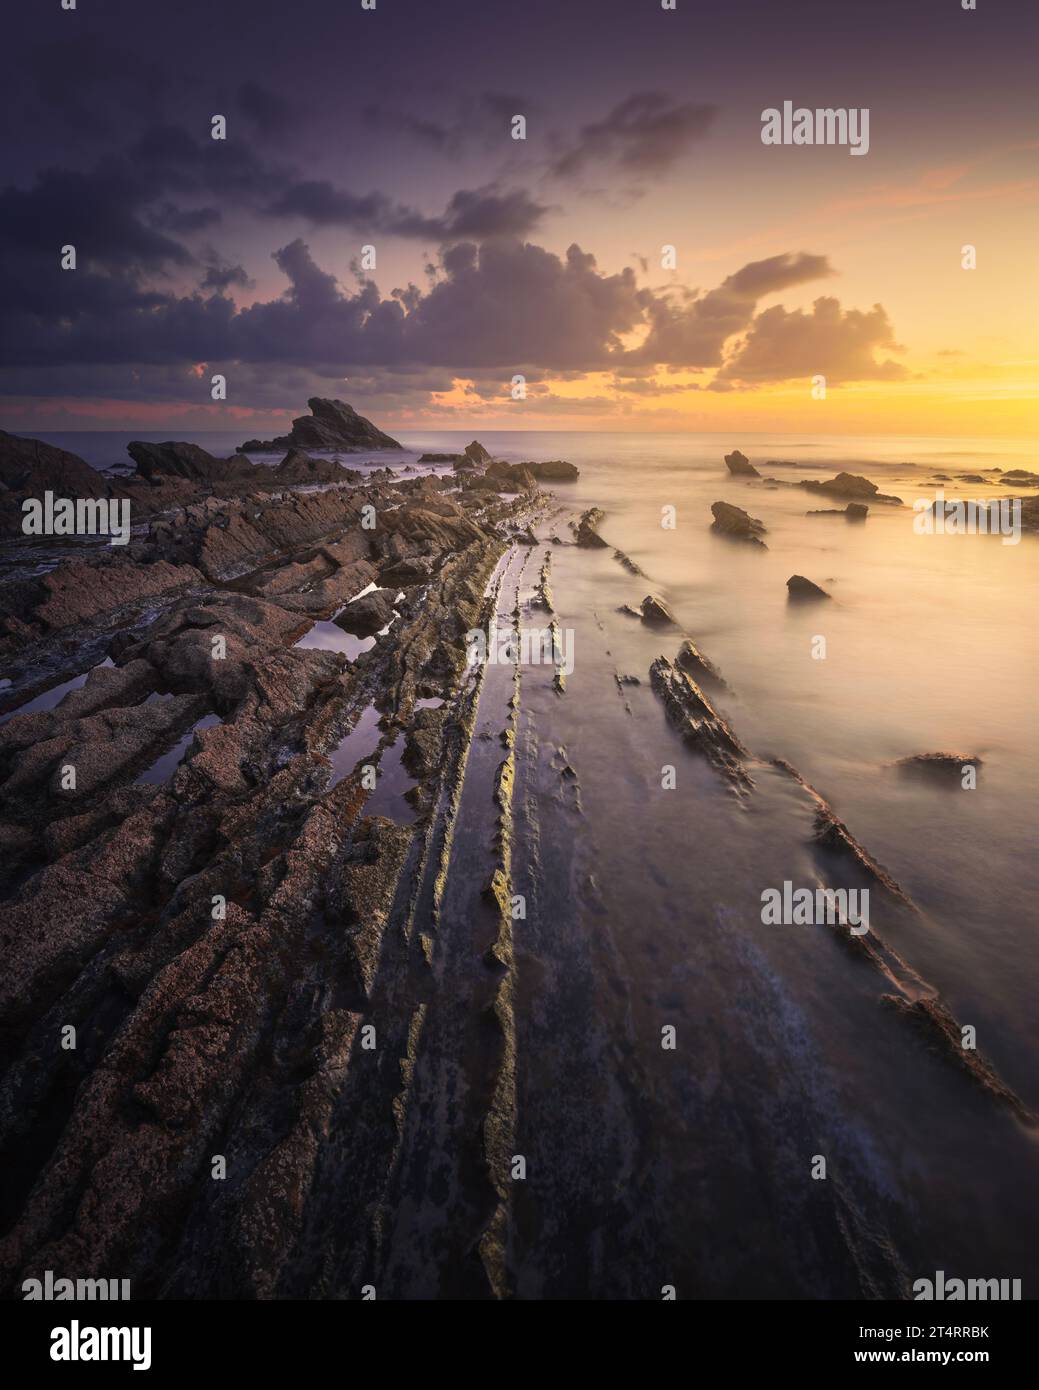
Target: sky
x: 543, y: 258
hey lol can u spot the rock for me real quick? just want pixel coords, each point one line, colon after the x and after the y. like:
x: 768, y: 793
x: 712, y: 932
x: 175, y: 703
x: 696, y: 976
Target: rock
x: 82, y: 591
x: 970, y: 478
x: 332, y: 424
x: 702, y: 728
x: 849, y: 485
x: 513, y: 477
x: 474, y: 456
x: 740, y: 466
x: 692, y: 661
x: 802, y: 588
x: 403, y: 573
x: 554, y: 471
x: 297, y: 467
x: 439, y: 458
x: 1030, y: 513
x: 586, y: 533
x: 628, y: 563
x: 656, y: 612
x: 628, y: 611
x: 29, y: 467
x: 854, y: 511
x: 1019, y: 477
x: 734, y: 523
x: 939, y: 767
x: 476, y: 453
x: 366, y: 615
x: 174, y: 458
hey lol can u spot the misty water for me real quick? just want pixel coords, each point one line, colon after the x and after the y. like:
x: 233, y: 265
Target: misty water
x: 647, y: 902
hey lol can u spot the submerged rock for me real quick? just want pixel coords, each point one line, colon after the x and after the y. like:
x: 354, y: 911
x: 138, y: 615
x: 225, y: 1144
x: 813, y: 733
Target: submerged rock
x: 693, y: 662
x: 628, y: 563
x: 586, y: 532
x: 849, y: 485
x: 700, y: 725
x: 656, y: 612
x: 854, y: 511
x: 554, y: 471
x: 736, y: 524
x: 740, y: 466
x: 941, y: 767
x: 802, y: 588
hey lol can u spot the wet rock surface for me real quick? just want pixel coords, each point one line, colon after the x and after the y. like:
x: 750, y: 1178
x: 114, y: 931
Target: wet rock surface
x: 216, y: 937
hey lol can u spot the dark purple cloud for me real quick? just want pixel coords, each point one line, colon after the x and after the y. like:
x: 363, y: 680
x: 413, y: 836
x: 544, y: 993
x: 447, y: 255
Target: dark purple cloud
x: 645, y: 134
x: 470, y: 213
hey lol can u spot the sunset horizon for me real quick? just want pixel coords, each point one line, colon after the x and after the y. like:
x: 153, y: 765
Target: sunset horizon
x: 629, y: 245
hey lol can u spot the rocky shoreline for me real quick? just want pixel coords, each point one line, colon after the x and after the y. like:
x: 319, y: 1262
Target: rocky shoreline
x: 288, y: 796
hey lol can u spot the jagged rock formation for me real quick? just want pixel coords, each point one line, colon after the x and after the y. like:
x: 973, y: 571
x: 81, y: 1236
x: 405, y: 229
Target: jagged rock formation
x: 331, y: 426
x: 736, y: 524
x: 849, y: 485
x: 701, y: 726
x: 740, y: 466
x: 233, y: 1028
x: 174, y: 459
x: 694, y: 663
x: 30, y: 468
x: 586, y: 533
x: 655, y: 612
x: 513, y: 477
x: 801, y: 588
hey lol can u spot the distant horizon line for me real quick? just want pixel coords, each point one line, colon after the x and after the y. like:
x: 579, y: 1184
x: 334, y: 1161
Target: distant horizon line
x: 492, y: 429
